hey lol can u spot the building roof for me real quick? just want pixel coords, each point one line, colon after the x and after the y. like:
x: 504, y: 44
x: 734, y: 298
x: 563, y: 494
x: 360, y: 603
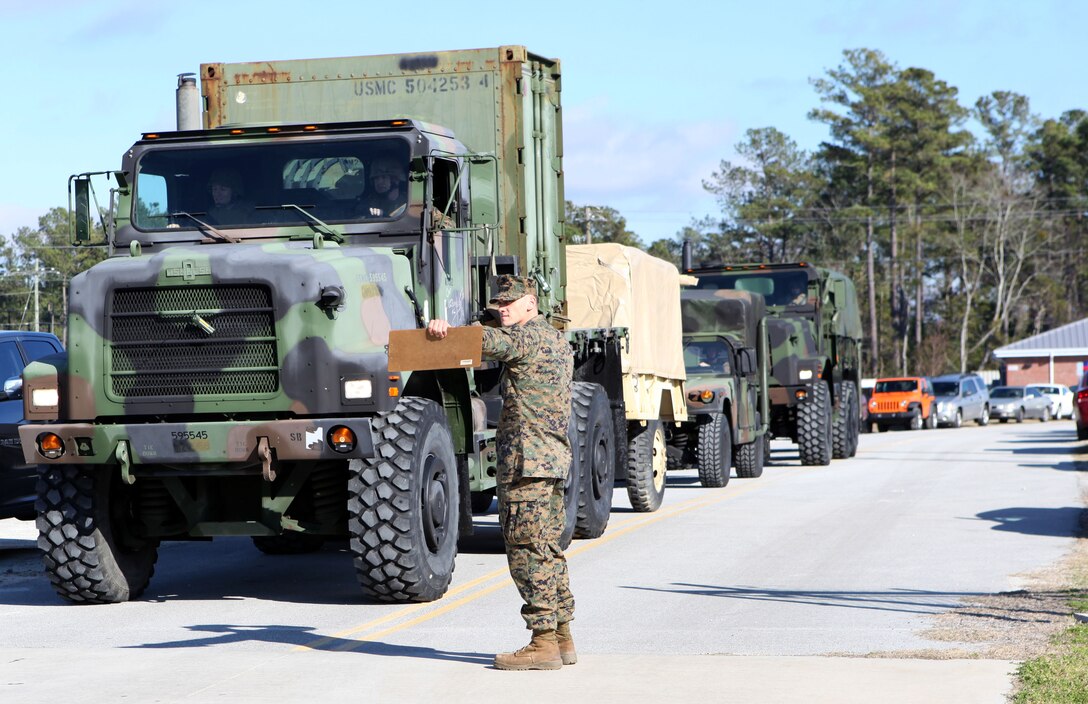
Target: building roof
x: 1067, y: 341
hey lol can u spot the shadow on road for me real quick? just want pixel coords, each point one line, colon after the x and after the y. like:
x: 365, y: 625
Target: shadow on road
x: 904, y: 600
x: 306, y: 637
x: 1062, y: 522
x: 897, y: 600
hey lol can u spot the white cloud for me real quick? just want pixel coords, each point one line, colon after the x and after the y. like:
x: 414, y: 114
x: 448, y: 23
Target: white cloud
x: 650, y: 171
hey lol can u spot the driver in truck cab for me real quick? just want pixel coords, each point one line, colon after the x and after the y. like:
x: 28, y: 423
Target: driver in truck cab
x: 386, y: 193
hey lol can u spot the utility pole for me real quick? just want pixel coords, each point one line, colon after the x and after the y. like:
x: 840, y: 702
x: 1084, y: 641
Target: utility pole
x: 589, y: 235
x: 36, y: 277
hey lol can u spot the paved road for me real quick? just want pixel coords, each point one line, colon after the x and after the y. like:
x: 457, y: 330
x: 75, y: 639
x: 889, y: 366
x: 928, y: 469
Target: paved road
x: 765, y: 591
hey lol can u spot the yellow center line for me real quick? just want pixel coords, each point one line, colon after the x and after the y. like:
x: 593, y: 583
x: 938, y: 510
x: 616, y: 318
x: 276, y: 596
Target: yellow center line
x: 503, y: 575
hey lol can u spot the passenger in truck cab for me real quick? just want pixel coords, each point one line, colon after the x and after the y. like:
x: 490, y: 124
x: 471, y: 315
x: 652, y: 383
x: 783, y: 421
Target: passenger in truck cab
x: 226, y: 190
x: 386, y: 193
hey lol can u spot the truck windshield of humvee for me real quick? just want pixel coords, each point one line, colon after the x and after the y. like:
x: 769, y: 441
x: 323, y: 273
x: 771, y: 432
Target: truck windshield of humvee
x: 266, y: 183
x: 708, y: 356
x: 779, y: 288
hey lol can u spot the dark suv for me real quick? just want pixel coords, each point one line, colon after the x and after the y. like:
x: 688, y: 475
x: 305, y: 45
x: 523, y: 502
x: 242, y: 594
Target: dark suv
x: 961, y: 397
x: 17, y: 478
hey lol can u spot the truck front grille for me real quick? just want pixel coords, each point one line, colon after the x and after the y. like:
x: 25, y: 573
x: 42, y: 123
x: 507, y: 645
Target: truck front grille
x: 192, y: 342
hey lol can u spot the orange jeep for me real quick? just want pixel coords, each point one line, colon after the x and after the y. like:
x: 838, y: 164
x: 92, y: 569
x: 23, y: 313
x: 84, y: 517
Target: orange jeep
x: 905, y: 401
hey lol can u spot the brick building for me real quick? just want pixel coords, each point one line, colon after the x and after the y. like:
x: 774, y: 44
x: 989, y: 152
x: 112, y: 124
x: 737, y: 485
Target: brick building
x: 1058, y: 356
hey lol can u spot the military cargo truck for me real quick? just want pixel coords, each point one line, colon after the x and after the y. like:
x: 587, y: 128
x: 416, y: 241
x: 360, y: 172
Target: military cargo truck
x: 611, y: 285
x: 228, y: 366
x: 726, y: 354
x: 815, y: 337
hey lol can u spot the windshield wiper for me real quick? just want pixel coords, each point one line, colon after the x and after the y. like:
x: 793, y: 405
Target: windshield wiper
x: 315, y: 222
x: 206, y: 227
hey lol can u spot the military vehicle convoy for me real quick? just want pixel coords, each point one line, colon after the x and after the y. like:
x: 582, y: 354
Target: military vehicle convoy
x: 726, y: 354
x: 228, y: 365
x: 815, y: 336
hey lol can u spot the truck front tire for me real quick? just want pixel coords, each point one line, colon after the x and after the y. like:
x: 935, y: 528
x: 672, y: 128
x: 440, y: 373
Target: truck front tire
x: 85, y: 524
x: 403, y: 505
x: 714, y: 451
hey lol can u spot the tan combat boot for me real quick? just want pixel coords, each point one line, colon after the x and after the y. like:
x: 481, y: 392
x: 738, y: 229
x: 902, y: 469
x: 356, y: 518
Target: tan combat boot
x: 566, y: 644
x: 542, y: 653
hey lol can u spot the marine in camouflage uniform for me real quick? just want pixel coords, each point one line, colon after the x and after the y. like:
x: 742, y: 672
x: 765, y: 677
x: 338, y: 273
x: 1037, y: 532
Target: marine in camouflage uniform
x: 534, y: 458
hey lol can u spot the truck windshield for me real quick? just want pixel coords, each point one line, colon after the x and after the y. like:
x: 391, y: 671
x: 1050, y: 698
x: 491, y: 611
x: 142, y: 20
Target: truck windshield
x: 779, y: 288
x: 255, y: 184
x: 707, y: 357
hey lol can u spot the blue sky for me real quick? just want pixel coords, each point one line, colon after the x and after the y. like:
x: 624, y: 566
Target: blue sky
x: 655, y: 95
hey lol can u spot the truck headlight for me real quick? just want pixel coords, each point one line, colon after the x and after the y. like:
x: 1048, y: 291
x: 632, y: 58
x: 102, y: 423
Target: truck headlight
x: 804, y: 374
x: 44, y: 398
x: 358, y: 388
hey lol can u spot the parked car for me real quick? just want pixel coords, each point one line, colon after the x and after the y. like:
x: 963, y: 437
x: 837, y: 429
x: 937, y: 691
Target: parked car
x: 1080, y: 408
x: 1061, y: 399
x: 1017, y: 403
x: 902, y: 401
x: 961, y: 397
x: 17, y: 478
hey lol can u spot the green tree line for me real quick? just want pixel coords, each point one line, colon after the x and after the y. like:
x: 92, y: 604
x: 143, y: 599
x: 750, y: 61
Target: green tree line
x: 963, y: 227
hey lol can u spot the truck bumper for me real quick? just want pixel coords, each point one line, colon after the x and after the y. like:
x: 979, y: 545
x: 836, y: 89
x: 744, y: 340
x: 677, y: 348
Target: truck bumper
x: 197, y: 443
x: 897, y: 417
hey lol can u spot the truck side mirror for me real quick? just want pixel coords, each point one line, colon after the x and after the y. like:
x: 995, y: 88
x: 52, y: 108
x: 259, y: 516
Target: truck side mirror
x: 13, y: 387
x: 83, y: 209
x: 746, y: 360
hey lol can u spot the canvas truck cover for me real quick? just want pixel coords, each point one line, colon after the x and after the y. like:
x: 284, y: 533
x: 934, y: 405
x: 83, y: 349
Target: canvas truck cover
x: 723, y: 311
x: 610, y: 285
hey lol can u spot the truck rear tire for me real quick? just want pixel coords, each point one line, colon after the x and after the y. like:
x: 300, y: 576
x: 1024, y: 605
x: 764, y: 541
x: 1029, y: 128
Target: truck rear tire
x: 814, y: 427
x: 596, y: 457
x: 85, y: 518
x: 403, y: 505
x: 714, y: 451
x: 847, y: 427
x: 571, y: 486
x: 646, y: 464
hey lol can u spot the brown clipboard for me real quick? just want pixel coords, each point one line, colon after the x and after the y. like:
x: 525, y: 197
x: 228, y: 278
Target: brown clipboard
x: 414, y: 350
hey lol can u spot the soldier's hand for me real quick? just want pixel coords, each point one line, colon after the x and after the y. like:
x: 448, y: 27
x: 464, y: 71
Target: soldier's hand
x: 438, y: 328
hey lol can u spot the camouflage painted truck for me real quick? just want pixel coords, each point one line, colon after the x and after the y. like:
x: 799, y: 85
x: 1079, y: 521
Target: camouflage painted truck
x: 726, y: 354
x: 228, y: 366
x: 815, y: 336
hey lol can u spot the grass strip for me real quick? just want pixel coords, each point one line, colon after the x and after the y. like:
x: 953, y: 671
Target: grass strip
x: 1060, y: 676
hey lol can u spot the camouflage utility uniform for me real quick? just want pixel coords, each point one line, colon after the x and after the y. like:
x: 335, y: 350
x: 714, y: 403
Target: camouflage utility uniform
x: 534, y: 461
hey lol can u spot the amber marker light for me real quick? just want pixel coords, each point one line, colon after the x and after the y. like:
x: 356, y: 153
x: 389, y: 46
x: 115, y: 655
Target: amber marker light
x: 309, y: 128
x: 237, y: 131
x: 342, y: 439
x: 273, y: 129
x: 50, y: 445
x: 706, y: 396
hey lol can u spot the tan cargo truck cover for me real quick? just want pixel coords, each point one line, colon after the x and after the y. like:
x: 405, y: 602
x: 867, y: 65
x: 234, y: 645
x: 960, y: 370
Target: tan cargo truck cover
x: 610, y: 285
